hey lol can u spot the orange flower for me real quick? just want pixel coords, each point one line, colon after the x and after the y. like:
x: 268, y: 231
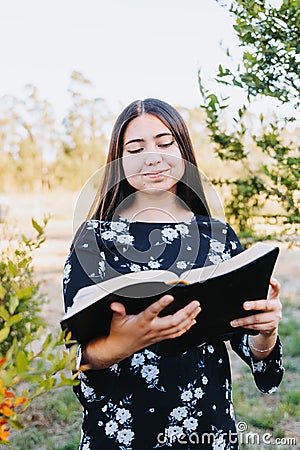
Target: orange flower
x: 20, y: 400
x: 4, y: 433
x: 6, y: 409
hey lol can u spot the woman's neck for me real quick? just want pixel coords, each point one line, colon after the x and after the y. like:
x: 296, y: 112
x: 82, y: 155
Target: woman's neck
x: 156, y: 207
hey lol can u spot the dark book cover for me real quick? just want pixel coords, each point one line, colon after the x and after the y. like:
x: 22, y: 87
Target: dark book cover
x: 221, y: 299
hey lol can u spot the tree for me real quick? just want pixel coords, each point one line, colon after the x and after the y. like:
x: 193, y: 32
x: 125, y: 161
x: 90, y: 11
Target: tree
x: 85, y: 140
x: 29, y: 141
x: 269, y: 37
x: 267, y: 156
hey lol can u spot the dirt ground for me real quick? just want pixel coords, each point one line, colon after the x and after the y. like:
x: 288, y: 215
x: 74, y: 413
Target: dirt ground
x: 49, y: 259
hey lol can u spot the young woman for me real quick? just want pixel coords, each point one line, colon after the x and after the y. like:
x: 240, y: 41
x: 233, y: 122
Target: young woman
x: 151, y: 213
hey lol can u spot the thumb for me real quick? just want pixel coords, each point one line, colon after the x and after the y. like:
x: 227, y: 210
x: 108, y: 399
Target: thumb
x: 274, y: 288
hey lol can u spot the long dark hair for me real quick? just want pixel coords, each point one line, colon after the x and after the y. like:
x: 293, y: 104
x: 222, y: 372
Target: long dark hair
x: 115, y: 188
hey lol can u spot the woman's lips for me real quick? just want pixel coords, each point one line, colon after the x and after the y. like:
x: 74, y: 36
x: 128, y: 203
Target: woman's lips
x: 158, y: 174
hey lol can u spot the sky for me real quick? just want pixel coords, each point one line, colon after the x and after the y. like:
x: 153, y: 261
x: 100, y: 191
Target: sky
x: 129, y: 49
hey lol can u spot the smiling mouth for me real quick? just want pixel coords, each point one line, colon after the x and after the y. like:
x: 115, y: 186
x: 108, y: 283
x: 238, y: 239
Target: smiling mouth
x: 155, y: 174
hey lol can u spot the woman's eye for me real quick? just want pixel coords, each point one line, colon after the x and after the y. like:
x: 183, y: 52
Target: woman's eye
x: 136, y: 150
x: 167, y: 144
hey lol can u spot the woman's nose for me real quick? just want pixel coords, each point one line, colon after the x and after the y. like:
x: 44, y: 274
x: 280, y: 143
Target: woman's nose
x: 153, y: 158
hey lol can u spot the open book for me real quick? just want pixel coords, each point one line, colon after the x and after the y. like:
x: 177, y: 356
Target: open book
x: 221, y: 290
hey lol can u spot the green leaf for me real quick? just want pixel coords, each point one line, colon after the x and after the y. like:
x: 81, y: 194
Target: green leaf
x: 4, y: 313
x: 14, y: 319
x: 2, y: 291
x: 4, y: 333
x: 21, y: 362
x: 16, y: 424
x: 37, y: 227
x: 13, y: 304
x: 47, y: 342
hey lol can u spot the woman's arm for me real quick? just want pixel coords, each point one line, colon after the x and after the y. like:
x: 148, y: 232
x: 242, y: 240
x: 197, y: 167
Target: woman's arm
x: 266, y: 322
x: 131, y: 333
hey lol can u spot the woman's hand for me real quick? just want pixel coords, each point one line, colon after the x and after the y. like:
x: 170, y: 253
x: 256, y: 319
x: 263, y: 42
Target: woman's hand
x: 130, y: 333
x: 266, y: 322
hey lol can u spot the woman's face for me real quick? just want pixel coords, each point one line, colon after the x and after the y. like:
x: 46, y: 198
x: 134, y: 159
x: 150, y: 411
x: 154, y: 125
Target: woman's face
x: 151, y: 158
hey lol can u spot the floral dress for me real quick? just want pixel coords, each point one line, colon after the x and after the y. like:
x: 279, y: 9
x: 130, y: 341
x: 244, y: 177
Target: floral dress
x: 151, y: 400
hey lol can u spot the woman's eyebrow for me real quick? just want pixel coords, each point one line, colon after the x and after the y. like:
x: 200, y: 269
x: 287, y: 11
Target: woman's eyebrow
x: 163, y: 134
x: 134, y: 140
x: 143, y: 140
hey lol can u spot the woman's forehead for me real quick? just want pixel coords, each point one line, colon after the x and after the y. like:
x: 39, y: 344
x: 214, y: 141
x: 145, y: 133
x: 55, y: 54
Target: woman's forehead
x: 147, y: 124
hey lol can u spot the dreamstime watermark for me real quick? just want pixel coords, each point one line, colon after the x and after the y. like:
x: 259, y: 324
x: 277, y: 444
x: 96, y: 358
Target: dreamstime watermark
x: 220, y: 439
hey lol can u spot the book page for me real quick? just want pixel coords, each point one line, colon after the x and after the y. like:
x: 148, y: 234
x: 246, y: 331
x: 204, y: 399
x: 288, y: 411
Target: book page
x: 215, y: 270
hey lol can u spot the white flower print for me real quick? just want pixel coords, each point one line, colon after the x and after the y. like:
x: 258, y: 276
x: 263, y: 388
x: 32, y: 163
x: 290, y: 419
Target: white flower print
x: 179, y: 413
x: 125, y: 436
x: 137, y: 360
x: 181, y: 265
x: 233, y: 245
x: 135, y: 268
x: 217, y: 246
x: 151, y: 355
x: 115, y: 368
x: 108, y: 235
x: 67, y: 271
x: 215, y: 259
x: 273, y: 389
x: 125, y: 239
x: 199, y: 392
x: 154, y: 264
x: 183, y: 229
x: 122, y: 415
x: 244, y: 345
x: 231, y: 411
x: 92, y: 224
x: 190, y: 424
x: 204, y: 380
x: 101, y: 266
x: 118, y: 415
x: 226, y: 256
x: 117, y: 226
x: 259, y: 366
x: 87, y: 391
x: 173, y: 432
x: 210, y: 348
x: 85, y: 444
x: 219, y: 443
x: 111, y: 428
x: 189, y: 248
x: 186, y: 396
x: 169, y: 234
x: 149, y: 372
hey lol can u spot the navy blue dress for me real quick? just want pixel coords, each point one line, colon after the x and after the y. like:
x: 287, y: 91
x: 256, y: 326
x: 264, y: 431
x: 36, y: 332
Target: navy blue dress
x: 150, y: 400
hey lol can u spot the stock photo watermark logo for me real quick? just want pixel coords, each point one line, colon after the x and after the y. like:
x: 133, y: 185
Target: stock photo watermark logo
x: 115, y: 233
x: 219, y: 440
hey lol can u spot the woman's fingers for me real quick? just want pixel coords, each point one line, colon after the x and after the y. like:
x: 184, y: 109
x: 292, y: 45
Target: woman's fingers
x: 261, y: 305
x: 176, y: 323
x: 153, y: 310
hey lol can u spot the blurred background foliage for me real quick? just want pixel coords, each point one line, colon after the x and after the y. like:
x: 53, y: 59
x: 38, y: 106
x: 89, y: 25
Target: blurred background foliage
x: 252, y: 160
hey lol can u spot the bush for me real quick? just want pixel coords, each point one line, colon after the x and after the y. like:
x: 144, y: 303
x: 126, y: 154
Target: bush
x: 30, y: 358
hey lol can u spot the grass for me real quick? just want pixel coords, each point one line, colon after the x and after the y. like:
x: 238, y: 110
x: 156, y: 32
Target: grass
x: 279, y: 413
x: 53, y: 421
